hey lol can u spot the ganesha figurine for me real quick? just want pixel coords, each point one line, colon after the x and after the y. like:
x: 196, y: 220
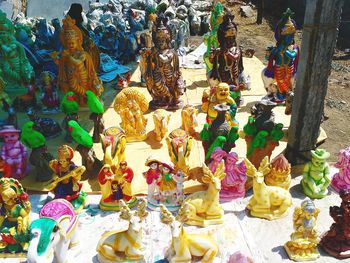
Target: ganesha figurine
x: 280, y: 172
x: 304, y: 240
x: 14, y: 218
x: 341, y: 180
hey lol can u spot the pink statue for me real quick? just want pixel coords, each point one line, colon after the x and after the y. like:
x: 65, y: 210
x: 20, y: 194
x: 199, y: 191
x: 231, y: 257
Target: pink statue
x: 152, y: 176
x: 341, y: 180
x: 13, y: 153
x: 233, y: 185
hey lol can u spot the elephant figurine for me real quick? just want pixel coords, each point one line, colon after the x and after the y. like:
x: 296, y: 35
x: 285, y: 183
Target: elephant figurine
x: 53, y: 233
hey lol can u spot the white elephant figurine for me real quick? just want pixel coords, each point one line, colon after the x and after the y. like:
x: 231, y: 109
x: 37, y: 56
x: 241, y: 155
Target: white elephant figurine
x: 53, y: 233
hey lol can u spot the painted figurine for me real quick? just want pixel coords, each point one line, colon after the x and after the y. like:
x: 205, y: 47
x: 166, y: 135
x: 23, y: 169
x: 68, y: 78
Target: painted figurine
x: 269, y: 202
x: 341, y: 180
x: 162, y: 73
x: 203, y: 208
x: 280, y: 172
x: 49, y: 94
x: 161, y: 120
x: 283, y: 60
x: 233, y: 185
x: 184, y: 246
x: 70, y: 107
x: 13, y: 153
x: 97, y: 110
x: 14, y: 217
x: 189, y: 119
x: 76, y: 69
x: 27, y: 100
x: 316, y: 177
x: 304, y: 240
x: 66, y: 180
x: 54, y: 233
x: 124, y: 245
x: 152, y: 175
x: 131, y: 104
x: 336, y: 241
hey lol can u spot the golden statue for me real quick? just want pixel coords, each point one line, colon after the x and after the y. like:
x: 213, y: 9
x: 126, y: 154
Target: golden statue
x: 76, y: 69
x: 280, y: 172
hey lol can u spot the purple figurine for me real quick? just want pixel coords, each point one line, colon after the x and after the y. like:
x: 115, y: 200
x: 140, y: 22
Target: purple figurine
x: 341, y: 180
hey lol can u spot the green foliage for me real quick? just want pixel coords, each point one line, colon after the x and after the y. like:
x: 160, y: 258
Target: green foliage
x: 259, y: 141
x: 233, y: 135
x: 277, y: 134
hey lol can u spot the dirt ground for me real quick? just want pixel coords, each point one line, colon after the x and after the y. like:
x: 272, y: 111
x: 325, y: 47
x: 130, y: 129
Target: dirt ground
x: 337, y: 111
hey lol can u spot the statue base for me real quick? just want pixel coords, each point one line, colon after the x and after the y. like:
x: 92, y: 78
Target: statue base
x: 119, y: 257
x: 13, y: 255
x: 136, y: 138
x: 114, y: 206
x: 204, y: 222
x: 154, y: 105
x: 297, y: 253
x: 269, y: 214
x: 154, y: 205
x: 311, y: 194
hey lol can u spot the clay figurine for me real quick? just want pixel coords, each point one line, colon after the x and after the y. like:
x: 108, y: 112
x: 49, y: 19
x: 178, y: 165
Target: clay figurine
x: 341, y: 180
x: 304, y: 240
x: 336, y: 241
x: 97, y: 110
x: 269, y: 202
x: 66, y: 179
x: 316, y: 177
x: 161, y: 120
x: 152, y: 175
x: 233, y: 185
x: 27, y: 100
x: 124, y: 245
x: 280, y: 172
x: 13, y: 153
x: 131, y: 104
x: 14, y: 218
x: 70, y: 108
x: 49, y: 93
x: 54, y: 233
x: 189, y: 119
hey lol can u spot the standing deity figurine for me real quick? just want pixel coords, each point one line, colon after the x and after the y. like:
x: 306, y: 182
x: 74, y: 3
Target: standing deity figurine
x: 341, y: 180
x: 49, y: 92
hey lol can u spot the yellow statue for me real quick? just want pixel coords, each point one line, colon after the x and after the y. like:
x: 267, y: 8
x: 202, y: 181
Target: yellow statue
x: 131, y: 104
x: 280, y: 172
x: 189, y: 119
x: 124, y: 245
x: 204, y: 207
x: 184, y: 246
x: 269, y: 202
x: 161, y: 120
x: 76, y: 70
x: 304, y: 240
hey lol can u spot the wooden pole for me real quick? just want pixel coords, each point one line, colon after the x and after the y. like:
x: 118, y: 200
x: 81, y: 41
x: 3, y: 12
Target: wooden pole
x: 320, y: 32
x: 260, y: 6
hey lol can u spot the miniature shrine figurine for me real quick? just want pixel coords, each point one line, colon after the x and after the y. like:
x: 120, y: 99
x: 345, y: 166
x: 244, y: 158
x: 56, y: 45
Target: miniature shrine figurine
x: 233, y: 185
x: 13, y: 153
x: 14, y: 218
x: 304, y: 240
x: 15, y: 66
x: 189, y: 119
x: 39, y: 157
x: 49, y: 94
x: 58, y: 221
x: 269, y: 202
x: 161, y: 120
x: 262, y: 134
x: 48, y: 127
x: 124, y: 245
x: 219, y: 133
x: 341, y: 180
x: 316, y: 177
x: 70, y: 108
x: 282, y: 59
x: 280, y: 172
x: 66, y: 180
x: 97, y: 110
x: 216, y: 96
x: 203, y: 208
x: 76, y: 69
x: 131, y: 104
x: 184, y: 246
x: 336, y: 241
x: 162, y: 73
x: 227, y: 60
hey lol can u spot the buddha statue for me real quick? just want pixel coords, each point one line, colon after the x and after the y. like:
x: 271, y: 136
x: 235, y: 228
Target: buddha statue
x: 76, y: 68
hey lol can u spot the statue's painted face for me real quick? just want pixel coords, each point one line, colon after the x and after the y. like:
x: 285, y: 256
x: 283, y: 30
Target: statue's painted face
x: 223, y: 91
x: 63, y: 162
x: 318, y: 162
x: 71, y: 44
x: 162, y: 43
x: 154, y: 166
x: 166, y: 170
x: 11, y: 137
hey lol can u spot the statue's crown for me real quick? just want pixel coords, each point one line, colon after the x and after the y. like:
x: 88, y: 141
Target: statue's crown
x: 65, y: 152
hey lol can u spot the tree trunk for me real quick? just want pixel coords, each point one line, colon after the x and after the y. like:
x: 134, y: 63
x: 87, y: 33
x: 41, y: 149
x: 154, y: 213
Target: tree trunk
x: 260, y: 7
x: 318, y: 42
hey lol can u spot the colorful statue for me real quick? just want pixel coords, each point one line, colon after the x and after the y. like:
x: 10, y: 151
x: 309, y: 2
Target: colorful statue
x: 152, y: 176
x: 54, y: 233
x: 336, y: 241
x: 185, y: 246
x: 131, y: 104
x: 189, y: 119
x: 76, y: 69
x: 269, y: 202
x: 316, y: 177
x: 97, y: 110
x: 13, y: 153
x: 203, y: 208
x: 233, y: 185
x: 341, y: 180
x: 124, y: 245
x: 162, y: 73
x: 70, y: 107
x: 66, y: 179
x: 280, y: 172
x: 14, y: 217
x: 262, y: 135
x: 283, y: 59
x: 304, y: 240
x: 15, y: 67
x: 227, y: 60
x: 49, y: 93
x: 161, y: 120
